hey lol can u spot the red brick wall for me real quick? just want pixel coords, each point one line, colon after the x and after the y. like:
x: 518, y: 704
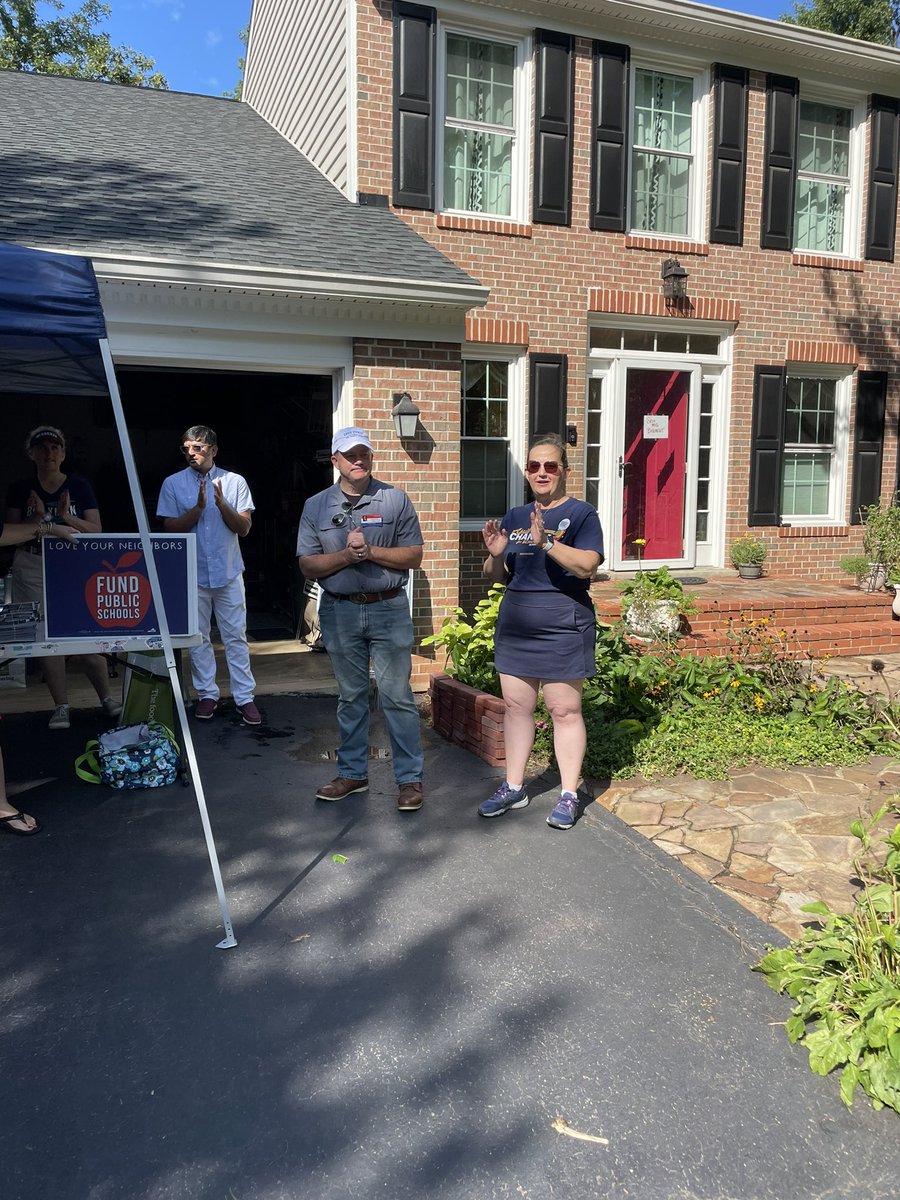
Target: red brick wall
x: 543, y: 276
x: 427, y: 468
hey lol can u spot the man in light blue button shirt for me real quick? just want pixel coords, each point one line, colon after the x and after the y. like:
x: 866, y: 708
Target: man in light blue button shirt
x: 216, y: 506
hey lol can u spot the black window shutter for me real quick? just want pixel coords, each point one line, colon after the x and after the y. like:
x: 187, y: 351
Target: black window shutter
x: 871, y: 393
x: 554, y: 105
x: 414, y: 37
x: 726, y: 218
x: 782, y: 107
x: 547, y: 386
x: 881, y: 216
x: 766, y: 447
x: 609, y: 149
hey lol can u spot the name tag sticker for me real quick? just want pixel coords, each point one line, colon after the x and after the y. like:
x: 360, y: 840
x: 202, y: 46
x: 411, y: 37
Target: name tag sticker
x: 371, y: 519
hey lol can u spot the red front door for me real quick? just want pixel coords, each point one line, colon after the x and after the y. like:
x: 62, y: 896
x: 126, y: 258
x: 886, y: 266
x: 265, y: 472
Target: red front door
x: 653, y: 463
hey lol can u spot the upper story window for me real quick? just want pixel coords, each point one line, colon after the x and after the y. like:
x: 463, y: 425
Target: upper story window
x: 664, y: 153
x: 479, y: 126
x: 822, y: 218
x: 483, y: 126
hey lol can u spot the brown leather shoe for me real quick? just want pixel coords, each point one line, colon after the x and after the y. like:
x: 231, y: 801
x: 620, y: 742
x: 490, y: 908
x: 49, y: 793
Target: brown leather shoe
x: 339, y: 788
x: 411, y: 797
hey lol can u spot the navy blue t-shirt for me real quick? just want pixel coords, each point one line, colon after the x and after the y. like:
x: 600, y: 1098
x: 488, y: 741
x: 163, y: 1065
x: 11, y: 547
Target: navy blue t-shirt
x: 531, y: 569
x: 81, y: 496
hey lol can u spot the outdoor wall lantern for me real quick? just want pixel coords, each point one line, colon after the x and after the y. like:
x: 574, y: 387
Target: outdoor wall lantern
x: 405, y: 415
x: 674, y: 278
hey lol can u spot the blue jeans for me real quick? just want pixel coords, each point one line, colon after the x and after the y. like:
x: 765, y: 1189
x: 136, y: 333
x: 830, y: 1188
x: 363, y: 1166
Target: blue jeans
x: 382, y: 632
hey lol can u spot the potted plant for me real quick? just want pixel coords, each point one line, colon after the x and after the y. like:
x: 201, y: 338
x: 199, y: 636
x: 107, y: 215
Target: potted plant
x: 748, y: 554
x: 860, y: 568
x: 654, y: 603
x: 881, y: 542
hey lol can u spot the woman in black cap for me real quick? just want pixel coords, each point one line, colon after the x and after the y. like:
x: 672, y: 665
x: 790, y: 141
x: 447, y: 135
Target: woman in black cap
x: 47, y: 497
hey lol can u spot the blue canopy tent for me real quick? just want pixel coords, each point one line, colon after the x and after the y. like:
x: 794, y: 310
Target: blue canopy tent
x: 53, y: 342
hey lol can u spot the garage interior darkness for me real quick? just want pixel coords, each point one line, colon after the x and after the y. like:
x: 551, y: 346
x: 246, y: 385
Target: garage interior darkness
x: 270, y: 428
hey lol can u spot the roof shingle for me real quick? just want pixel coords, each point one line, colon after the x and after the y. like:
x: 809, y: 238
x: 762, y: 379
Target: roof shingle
x: 100, y: 168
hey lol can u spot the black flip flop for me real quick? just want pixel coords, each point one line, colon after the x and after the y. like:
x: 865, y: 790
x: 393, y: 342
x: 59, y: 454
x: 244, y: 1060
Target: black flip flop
x: 5, y: 826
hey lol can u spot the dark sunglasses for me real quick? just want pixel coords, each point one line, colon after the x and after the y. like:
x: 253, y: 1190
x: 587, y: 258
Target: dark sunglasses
x: 194, y: 448
x: 552, y: 468
x: 341, y: 517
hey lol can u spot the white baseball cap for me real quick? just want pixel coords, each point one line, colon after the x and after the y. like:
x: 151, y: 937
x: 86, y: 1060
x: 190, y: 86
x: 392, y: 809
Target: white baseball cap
x: 346, y: 439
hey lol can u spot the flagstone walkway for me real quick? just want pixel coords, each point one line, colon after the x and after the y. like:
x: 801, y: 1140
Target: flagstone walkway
x: 773, y: 840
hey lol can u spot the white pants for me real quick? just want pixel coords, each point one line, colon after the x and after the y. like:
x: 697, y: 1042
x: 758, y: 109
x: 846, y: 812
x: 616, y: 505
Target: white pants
x: 230, y: 607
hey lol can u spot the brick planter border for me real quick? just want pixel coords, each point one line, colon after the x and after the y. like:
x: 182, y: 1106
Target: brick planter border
x: 469, y: 718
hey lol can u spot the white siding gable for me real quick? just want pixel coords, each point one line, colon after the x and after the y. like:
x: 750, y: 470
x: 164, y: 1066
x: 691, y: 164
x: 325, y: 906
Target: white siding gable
x: 296, y: 79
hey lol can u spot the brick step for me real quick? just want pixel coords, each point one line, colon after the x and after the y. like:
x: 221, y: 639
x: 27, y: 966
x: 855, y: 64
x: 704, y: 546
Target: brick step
x: 858, y: 638
x: 790, y: 613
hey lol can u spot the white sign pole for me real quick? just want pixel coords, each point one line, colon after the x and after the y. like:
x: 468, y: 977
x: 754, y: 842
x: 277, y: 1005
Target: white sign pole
x: 143, y: 526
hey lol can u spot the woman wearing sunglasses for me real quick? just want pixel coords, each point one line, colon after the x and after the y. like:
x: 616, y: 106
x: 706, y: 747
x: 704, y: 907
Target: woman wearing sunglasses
x: 546, y: 553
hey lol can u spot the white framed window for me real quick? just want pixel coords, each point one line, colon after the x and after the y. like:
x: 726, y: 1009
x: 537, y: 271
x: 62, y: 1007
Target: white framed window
x: 491, y: 426
x: 667, y: 152
x: 483, y: 123
x: 814, y: 465
x: 826, y: 217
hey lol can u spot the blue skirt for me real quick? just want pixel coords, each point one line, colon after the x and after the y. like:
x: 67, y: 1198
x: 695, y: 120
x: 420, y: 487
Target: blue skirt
x: 546, y: 635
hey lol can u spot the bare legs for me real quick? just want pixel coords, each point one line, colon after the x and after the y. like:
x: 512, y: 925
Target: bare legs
x: 7, y: 809
x: 94, y: 666
x: 563, y: 700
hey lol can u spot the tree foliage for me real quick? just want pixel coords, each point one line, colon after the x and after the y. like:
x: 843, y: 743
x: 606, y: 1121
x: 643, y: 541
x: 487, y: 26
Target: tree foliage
x: 868, y: 20
x: 235, y: 92
x: 70, y: 44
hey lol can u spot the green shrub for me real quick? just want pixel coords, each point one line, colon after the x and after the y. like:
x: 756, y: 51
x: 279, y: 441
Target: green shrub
x: 470, y: 643
x: 844, y: 976
x: 662, y: 713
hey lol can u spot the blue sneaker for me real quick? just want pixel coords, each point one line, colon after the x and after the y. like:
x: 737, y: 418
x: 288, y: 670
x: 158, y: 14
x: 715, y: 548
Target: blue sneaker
x: 563, y: 815
x: 503, y: 800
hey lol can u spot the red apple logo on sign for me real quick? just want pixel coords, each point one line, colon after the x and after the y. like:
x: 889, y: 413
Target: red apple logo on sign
x: 119, y: 595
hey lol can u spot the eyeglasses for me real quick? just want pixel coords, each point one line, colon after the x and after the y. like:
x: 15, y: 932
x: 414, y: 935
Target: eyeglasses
x: 551, y: 468
x: 194, y: 448
x: 341, y: 517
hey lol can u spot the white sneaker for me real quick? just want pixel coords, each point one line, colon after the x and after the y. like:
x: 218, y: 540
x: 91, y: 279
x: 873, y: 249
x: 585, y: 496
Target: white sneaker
x: 60, y: 718
x: 111, y: 707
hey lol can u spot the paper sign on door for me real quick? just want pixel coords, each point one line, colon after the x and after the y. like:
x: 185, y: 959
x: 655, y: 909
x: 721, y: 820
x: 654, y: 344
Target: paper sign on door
x: 656, y: 426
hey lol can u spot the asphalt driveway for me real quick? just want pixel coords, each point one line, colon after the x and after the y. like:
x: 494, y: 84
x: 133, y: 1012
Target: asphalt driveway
x: 408, y: 1023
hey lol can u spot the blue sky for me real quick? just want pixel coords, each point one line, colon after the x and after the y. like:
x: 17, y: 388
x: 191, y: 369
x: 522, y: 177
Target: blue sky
x: 195, y: 42
x: 196, y: 45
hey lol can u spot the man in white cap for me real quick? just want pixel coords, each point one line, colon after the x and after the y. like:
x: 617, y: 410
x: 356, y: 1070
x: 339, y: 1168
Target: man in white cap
x: 360, y: 538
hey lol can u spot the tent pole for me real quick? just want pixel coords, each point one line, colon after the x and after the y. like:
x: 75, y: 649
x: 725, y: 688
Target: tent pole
x: 143, y: 525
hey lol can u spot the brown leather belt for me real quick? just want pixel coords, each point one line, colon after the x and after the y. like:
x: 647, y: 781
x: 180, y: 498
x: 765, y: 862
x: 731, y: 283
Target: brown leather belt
x: 368, y: 597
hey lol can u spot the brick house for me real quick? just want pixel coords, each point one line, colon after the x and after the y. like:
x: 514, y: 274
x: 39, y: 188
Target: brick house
x: 686, y: 219
x: 241, y: 289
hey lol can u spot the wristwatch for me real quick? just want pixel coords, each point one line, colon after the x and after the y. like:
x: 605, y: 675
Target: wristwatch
x: 547, y: 544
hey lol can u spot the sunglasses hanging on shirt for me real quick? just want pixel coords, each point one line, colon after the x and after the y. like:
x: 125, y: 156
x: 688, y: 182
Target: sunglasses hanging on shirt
x: 342, y: 517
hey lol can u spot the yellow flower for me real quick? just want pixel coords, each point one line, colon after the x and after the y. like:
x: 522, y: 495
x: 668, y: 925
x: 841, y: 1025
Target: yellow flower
x: 707, y: 695
x: 813, y: 688
x: 764, y: 620
x: 759, y: 702
x: 640, y: 542
x: 735, y: 683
